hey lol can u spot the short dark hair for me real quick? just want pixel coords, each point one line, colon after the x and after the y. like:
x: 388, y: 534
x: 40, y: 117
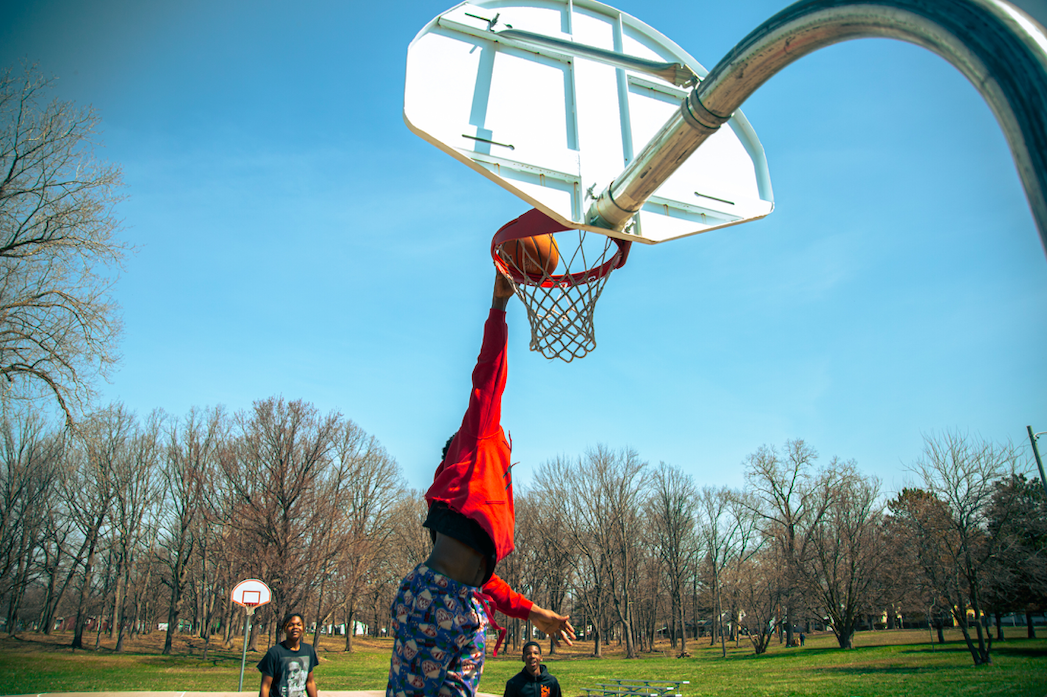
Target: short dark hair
x: 532, y: 643
x: 290, y: 616
x: 447, y: 446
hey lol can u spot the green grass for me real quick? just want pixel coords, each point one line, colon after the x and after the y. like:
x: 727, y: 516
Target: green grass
x: 883, y: 664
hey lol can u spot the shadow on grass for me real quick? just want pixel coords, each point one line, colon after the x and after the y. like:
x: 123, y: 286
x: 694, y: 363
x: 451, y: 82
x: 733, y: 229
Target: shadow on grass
x: 152, y: 659
x: 1010, y: 650
x: 217, y: 657
x: 1019, y: 651
x: 938, y: 648
x: 878, y: 670
x: 49, y: 645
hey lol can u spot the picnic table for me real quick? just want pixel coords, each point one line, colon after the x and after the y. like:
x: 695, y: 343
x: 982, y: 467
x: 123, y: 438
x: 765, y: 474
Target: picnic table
x: 636, y: 688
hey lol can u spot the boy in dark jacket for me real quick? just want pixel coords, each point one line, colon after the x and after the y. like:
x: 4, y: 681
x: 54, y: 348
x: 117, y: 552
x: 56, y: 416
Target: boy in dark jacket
x: 534, y: 680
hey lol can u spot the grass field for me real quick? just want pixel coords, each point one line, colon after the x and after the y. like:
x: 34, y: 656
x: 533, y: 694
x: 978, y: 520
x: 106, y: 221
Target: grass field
x: 902, y: 662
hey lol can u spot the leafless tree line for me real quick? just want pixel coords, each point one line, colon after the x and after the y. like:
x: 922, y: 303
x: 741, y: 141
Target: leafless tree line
x: 123, y: 525
x: 636, y: 552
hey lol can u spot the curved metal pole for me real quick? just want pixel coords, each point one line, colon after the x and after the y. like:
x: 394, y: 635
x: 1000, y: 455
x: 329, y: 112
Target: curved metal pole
x: 1000, y: 50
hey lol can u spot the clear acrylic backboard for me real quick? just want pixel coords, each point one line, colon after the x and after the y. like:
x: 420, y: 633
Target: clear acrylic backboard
x: 528, y: 94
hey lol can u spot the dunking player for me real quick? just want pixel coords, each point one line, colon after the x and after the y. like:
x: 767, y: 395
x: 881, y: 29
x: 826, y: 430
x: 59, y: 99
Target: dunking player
x: 441, y: 612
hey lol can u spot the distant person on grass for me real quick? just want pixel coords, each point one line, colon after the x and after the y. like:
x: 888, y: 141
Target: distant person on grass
x: 443, y: 607
x: 534, y: 680
x: 287, y: 667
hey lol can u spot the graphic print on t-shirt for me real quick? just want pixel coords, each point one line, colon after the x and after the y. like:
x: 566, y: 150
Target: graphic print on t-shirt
x: 296, y: 676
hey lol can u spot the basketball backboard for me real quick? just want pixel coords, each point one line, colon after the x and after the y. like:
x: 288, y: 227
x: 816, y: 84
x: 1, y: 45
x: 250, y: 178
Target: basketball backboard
x: 251, y: 593
x: 551, y: 100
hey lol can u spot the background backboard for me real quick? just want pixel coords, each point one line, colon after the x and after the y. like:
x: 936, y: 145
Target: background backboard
x: 251, y: 593
x: 556, y: 127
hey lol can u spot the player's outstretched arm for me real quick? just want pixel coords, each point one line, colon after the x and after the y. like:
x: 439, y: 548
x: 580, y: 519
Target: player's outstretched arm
x: 557, y: 626
x: 503, y: 290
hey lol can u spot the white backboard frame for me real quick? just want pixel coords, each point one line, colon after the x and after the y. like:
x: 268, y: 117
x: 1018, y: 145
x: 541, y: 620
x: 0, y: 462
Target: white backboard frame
x: 556, y: 128
x: 251, y: 593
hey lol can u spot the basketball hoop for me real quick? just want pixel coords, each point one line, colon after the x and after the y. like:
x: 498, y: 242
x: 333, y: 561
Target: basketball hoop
x: 560, y: 306
x: 250, y: 593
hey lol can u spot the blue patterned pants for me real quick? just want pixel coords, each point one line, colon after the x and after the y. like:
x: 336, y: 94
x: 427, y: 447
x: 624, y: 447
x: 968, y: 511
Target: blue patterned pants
x: 439, y: 630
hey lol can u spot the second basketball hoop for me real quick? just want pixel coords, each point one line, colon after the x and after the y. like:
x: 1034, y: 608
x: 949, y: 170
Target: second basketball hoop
x: 560, y: 306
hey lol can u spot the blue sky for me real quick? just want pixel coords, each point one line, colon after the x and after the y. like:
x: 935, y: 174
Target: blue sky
x: 294, y: 238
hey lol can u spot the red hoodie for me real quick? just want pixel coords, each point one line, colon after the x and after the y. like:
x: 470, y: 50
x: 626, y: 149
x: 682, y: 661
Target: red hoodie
x: 475, y: 479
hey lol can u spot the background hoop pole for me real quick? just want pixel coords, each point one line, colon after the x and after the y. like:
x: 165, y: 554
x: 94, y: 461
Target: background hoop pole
x: 994, y: 44
x: 243, y: 657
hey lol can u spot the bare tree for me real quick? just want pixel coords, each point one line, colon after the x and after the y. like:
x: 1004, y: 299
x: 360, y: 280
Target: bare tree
x: 521, y: 568
x: 673, y: 506
x: 136, y: 482
x: 362, y: 490
x: 192, y: 452
x: 56, y: 553
x: 649, y: 596
x: 727, y: 531
x: 145, y: 588
x: 218, y: 561
x: 847, y: 550
x: 90, y: 490
x: 949, y: 520
x: 760, y: 581
x: 583, y: 537
x: 791, y: 505
x: 58, y: 249
x: 281, y: 468
x: 622, y: 477
x: 30, y: 461
x: 545, y: 563
x: 602, y: 513
x: 410, y: 543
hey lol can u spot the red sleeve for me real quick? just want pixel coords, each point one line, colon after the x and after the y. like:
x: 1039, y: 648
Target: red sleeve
x: 483, y: 418
x: 508, y: 601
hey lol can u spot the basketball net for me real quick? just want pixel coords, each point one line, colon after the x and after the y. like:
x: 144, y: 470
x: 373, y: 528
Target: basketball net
x: 560, y: 306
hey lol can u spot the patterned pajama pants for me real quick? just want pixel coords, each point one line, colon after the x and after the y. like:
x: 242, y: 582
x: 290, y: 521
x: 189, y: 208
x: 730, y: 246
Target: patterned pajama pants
x: 439, y: 628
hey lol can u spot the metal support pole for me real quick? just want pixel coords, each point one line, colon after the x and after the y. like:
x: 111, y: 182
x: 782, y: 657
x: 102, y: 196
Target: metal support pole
x: 243, y: 657
x: 1036, y: 452
x: 994, y: 44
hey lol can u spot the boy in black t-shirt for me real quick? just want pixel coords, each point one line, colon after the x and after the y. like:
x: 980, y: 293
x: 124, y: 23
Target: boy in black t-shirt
x: 287, y: 667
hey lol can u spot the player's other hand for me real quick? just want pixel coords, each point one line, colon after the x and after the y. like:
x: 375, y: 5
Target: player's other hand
x: 557, y: 626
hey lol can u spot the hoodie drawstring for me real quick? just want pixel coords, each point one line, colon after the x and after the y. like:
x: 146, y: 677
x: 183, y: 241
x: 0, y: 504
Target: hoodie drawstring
x: 487, y: 602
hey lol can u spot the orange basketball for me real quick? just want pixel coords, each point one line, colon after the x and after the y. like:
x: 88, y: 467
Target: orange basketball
x: 533, y: 254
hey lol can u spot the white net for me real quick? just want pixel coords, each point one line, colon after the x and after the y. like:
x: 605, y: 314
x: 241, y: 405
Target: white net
x: 560, y: 301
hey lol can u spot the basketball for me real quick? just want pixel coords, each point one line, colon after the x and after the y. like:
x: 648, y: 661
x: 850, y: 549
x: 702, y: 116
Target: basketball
x: 535, y: 254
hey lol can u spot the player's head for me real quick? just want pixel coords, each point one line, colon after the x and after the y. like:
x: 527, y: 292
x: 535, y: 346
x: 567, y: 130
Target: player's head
x: 447, y: 446
x: 532, y: 656
x: 293, y: 622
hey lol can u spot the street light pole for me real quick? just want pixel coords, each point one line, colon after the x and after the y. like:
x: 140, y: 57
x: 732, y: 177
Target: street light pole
x: 1036, y: 452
